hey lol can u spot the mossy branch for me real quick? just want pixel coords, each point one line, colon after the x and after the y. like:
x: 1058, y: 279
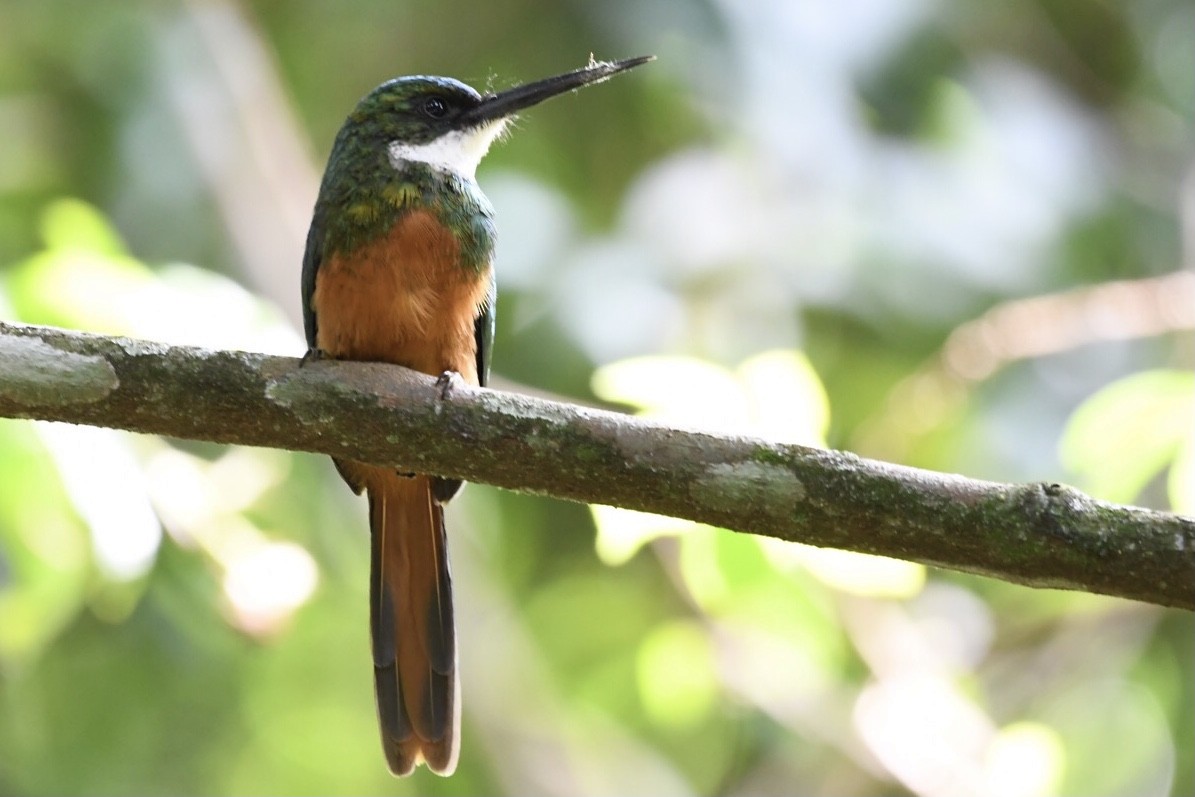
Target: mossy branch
x: 1043, y: 535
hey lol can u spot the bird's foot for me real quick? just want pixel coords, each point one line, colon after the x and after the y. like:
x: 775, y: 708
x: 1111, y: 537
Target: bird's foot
x: 446, y: 382
x: 314, y: 354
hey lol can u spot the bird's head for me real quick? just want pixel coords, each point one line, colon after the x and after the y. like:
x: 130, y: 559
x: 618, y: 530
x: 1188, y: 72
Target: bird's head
x: 448, y: 125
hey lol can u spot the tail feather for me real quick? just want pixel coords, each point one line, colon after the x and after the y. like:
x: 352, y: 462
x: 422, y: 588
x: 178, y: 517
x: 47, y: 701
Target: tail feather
x: 411, y: 623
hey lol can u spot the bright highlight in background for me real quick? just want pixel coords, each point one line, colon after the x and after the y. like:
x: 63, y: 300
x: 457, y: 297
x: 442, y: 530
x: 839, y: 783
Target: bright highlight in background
x: 776, y: 395
x: 1024, y: 760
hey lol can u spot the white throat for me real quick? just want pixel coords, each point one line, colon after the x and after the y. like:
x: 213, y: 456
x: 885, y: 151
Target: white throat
x: 456, y: 152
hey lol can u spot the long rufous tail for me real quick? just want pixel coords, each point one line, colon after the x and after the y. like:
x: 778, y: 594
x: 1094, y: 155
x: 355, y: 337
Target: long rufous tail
x: 411, y: 624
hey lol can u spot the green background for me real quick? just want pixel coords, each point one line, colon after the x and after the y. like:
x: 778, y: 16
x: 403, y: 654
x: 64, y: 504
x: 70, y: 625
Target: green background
x: 798, y: 209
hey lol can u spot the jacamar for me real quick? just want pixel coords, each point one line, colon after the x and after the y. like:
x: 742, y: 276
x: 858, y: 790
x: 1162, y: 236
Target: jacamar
x: 398, y: 270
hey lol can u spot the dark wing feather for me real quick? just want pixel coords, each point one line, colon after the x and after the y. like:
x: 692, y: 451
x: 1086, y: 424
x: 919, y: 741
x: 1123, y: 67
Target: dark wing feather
x: 483, y: 332
x: 312, y: 256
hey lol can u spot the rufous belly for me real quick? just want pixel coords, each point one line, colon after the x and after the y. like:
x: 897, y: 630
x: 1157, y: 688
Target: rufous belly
x: 403, y: 298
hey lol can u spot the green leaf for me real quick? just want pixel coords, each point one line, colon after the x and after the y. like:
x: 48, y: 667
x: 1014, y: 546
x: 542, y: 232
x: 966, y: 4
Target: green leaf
x: 678, y: 681
x: 1130, y: 431
x: 43, y: 547
x: 71, y: 224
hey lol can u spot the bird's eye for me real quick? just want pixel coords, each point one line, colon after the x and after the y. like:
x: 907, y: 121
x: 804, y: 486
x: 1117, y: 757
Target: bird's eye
x: 435, y: 107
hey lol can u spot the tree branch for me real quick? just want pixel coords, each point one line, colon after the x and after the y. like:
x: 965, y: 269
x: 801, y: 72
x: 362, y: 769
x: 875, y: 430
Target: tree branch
x: 1042, y: 535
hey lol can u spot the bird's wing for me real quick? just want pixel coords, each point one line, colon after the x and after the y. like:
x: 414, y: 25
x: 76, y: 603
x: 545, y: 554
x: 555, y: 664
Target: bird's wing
x: 312, y: 256
x: 483, y: 331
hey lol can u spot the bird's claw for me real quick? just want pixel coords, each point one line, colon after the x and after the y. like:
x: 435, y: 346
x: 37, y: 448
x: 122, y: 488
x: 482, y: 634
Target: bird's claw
x: 314, y: 354
x: 446, y: 382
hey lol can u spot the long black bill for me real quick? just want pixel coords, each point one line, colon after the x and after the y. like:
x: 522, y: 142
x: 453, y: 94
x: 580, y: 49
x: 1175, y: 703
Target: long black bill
x: 503, y: 104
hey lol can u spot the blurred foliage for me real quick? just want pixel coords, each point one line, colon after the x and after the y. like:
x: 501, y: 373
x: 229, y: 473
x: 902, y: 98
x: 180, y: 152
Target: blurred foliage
x: 770, y: 231
x: 1130, y: 431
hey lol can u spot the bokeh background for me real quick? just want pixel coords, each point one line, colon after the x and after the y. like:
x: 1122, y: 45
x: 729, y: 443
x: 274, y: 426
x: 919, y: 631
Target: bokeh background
x: 956, y: 235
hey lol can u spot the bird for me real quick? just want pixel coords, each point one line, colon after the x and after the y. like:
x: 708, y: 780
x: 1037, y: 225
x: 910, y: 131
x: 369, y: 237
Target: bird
x: 398, y: 268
